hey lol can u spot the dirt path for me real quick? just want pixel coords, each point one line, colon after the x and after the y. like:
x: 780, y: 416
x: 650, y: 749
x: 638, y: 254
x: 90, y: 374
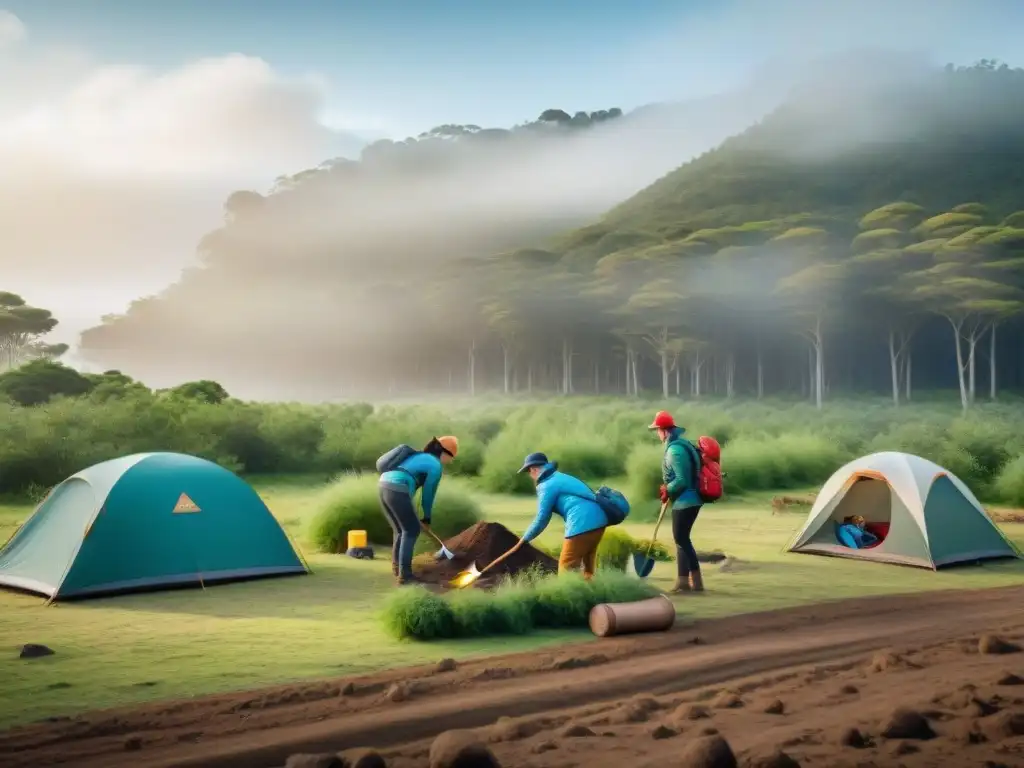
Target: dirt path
x: 817, y: 660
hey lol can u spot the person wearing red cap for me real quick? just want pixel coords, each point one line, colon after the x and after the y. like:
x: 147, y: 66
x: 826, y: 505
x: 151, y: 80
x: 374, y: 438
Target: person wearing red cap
x: 679, y: 473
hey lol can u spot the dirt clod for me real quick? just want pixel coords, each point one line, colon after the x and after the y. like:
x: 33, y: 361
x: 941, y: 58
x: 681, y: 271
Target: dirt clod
x: 777, y: 759
x: 663, y: 732
x: 1010, y: 679
x: 852, y: 737
x: 362, y: 758
x: 727, y: 700
x: 314, y: 761
x: 398, y: 692
x: 132, y: 744
x: 576, y: 731
x: 905, y: 748
x: 707, y: 752
x: 35, y: 651
x: 461, y: 749
x: 1005, y: 725
x: 446, y: 665
x: 883, y: 662
x: 579, y: 662
x: 545, y: 746
x: 347, y: 689
x: 906, y: 724
x: 849, y: 690
x: 993, y: 644
x: 776, y: 707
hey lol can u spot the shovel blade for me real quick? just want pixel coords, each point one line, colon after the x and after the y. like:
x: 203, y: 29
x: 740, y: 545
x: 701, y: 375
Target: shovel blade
x: 643, y: 565
x: 444, y: 553
x: 466, y: 578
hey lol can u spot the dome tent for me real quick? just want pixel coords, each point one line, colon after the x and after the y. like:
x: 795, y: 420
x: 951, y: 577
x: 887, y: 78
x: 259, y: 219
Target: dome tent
x: 144, y: 522
x: 927, y: 517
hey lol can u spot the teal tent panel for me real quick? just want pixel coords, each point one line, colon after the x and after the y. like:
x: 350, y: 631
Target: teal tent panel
x: 139, y: 541
x: 42, y: 550
x: 957, y: 530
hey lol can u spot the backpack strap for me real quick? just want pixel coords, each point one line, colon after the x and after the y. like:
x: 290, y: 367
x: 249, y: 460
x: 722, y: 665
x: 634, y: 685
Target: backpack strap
x: 695, y: 455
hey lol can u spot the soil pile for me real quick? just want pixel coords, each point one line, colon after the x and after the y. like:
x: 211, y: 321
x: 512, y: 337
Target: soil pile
x: 482, y: 543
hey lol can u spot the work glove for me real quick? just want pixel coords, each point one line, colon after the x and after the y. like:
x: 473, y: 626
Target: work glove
x: 663, y: 494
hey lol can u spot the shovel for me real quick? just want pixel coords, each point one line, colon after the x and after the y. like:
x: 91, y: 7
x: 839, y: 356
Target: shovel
x: 644, y: 564
x: 445, y: 552
x: 468, y: 577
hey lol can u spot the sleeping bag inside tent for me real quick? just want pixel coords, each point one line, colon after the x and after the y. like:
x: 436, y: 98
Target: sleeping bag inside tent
x: 920, y: 514
x: 142, y: 522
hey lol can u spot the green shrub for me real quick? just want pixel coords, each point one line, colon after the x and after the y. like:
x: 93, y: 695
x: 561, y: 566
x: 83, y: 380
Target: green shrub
x: 523, y: 603
x: 615, y: 549
x: 418, y: 613
x: 352, y: 503
x: 1009, y: 484
x: 660, y: 552
x: 643, y: 469
x: 787, y: 461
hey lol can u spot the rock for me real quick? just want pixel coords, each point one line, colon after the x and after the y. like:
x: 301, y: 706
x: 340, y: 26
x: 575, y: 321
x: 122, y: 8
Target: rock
x: 1005, y: 725
x: 852, y: 737
x: 663, y: 732
x: 775, y: 708
x: 993, y: 644
x: 35, y: 651
x: 709, y: 730
x: 347, y: 689
x: 882, y: 662
x: 691, y: 712
x: 544, y: 746
x: 132, y: 744
x: 1010, y: 679
x: 362, y: 758
x: 632, y: 712
x: 777, y: 759
x: 727, y: 700
x: 446, y: 665
x: 507, y: 729
x: 576, y: 731
x: 981, y: 708
x: 314, y: 761
x: 461, y: 749
x: 906, y: 724
x: 397, y: 692
x: 849, y: 690
x: 707, y: 752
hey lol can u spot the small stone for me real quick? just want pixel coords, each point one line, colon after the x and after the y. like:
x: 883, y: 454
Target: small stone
x: 777, y: 759
x: 709, y: 730
x: 362, y: 758
x: 775, y: 708
x: 707, y: 752
x: 347, y: 689
x: 314, y: 761
x: 993, y: 645
x: 727, y: 700
x: 35, y: 651
x: 852, y: 737
x: 907, y: 724
x: 691, y: 712
x: 849, y: 690
x: 132, y: 744
x: 1010, y: 679
x: 663, y: 732
x: 397, y: 692
x: 461, y: 749
x: 446, y: 665
x: 576, y: 731
x: 545, y: 746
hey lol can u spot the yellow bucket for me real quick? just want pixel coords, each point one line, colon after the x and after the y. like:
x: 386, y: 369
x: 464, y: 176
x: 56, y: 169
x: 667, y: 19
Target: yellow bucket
x: 356, y: 539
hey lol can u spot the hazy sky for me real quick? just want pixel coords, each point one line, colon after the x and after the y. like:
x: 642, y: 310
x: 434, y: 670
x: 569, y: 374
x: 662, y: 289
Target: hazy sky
x: 124, y: 124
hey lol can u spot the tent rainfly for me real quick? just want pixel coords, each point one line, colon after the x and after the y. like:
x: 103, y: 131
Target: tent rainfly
x: 144, y: 522
x: 924, y: 515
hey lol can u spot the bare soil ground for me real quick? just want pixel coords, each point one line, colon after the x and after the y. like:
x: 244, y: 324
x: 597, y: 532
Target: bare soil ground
x: 893, y: 681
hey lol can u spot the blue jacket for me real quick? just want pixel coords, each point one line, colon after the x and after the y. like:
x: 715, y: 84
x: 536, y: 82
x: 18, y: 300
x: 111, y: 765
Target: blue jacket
x: 426, y: 468
x: 854, y: 537
x: 570, y: 499
x: 679, y: 471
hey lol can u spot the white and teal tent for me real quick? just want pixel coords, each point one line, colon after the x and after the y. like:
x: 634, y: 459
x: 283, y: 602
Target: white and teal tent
x: 926, y: 515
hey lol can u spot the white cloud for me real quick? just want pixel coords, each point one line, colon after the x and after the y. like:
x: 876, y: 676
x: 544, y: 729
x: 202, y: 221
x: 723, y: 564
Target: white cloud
x: 111, y: 173
x: 12, y: 30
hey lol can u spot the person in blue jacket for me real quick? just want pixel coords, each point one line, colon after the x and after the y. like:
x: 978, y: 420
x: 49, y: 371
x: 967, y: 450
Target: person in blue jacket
x: 573, y: 501
x: 852, y: 533
x: 679, y: 469
x: 397, y: 489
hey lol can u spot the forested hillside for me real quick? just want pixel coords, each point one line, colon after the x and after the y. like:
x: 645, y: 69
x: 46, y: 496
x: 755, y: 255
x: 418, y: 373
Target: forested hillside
x: 842, y: 242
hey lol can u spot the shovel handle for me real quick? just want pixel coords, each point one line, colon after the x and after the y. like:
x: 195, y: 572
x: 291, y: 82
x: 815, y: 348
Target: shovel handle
x: 498, y: 560
x: 433, y: 535
x: 661, y: 516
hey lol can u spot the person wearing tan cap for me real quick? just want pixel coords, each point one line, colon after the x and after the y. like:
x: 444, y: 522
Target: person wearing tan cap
x: 404, y: 471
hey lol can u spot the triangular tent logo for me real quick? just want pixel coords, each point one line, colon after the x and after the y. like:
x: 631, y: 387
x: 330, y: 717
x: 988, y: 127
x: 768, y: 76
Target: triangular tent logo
x: 185, y: 505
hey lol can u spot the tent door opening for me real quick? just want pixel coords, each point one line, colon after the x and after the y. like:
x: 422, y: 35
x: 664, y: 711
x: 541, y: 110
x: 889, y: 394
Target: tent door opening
x: 871, y: 498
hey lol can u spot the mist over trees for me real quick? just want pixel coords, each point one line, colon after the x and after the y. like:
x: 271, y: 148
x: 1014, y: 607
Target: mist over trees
x: 868, y: 237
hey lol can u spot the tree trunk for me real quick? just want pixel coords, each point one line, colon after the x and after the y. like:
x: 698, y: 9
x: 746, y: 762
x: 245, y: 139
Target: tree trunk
x: 992, y: 363
x: 629, y: 362
x: 678, y: 383
x: 472, y: 368
x: 972, y: 346
x: 597, y: 376
x: 664, y: 373
x: 964, y: 403
x: 730, y: 375
x: 908, y: 367
x: 636, y: 379
x: 894, y: 368
x: 819, y: 365
x: 507, y: 359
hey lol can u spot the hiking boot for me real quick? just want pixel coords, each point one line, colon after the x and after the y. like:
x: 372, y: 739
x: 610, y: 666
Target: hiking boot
x: 408, y: 580
x: 696, y: 581
x: 394, y: 570
x: 682, y: 583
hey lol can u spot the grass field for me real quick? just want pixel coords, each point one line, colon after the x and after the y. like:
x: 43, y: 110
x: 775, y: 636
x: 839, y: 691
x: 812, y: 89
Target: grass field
x: 186, y: 643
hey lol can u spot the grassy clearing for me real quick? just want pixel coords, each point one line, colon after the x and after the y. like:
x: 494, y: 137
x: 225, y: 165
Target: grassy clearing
x: 165, y: 645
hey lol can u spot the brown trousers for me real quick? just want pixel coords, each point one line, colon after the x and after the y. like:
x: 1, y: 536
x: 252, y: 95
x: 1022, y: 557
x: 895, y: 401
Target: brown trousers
x: 580, y: 550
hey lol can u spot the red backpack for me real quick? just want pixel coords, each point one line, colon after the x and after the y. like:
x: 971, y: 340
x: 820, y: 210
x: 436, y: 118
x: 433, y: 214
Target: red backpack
x: 709, y: 470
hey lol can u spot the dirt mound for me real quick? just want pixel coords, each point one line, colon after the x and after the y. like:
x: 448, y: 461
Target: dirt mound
x: 482, y: 543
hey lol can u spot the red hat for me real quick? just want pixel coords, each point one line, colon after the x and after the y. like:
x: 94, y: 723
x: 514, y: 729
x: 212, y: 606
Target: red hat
x: 662, y: 420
